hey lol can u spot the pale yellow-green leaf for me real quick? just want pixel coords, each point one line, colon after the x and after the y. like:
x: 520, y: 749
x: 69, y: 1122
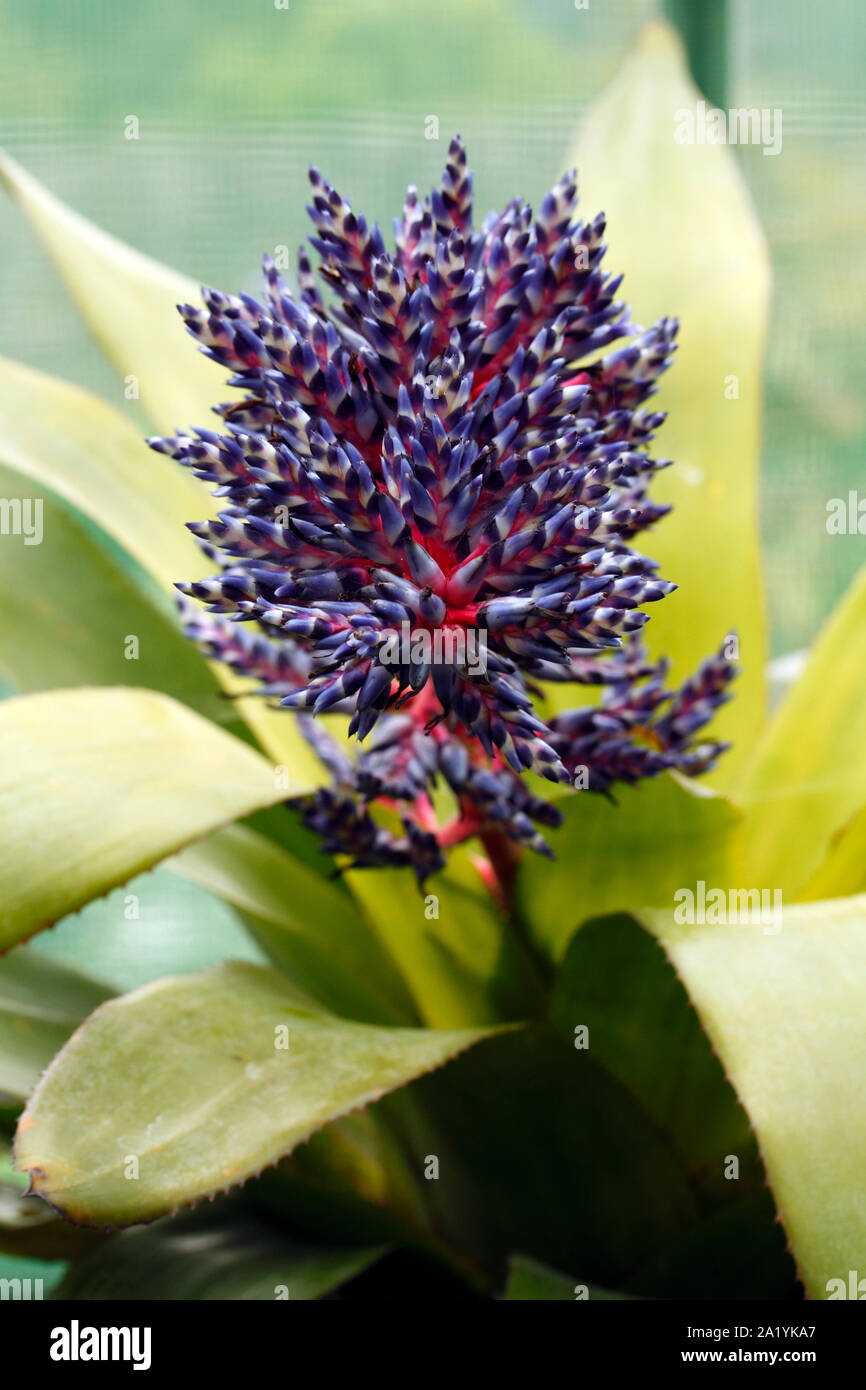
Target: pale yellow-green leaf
x: 784, y: 1011
x: 682, y: 228
x: 807, y: 778
x: 843, y: 872
x: 83, y: 449
x: 445, y: 945
x: 98, y: 784
x: 203, y: 1080
x: 129, y: 304
x: 74, y: 444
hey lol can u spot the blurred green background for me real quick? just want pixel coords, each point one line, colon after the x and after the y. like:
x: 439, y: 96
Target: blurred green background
x: 233, y: 102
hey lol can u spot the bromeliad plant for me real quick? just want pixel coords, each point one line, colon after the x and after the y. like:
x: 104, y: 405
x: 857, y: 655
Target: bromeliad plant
x: 428, y: 490
x: 427, y: 506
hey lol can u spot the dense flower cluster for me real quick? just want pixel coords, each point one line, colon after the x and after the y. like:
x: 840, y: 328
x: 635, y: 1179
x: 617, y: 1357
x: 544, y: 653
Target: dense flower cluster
x: 429, y: 509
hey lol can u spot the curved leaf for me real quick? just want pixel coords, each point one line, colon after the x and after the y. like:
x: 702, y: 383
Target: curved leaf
x: 187, y: 1077
x: 642, y: 1029
x: 41, y: 1002
x: 129, y: 776
x: 78, y: 447
x: 808, y: 774
x: 57, y: 629
x: 128, y: 301
x: 197, y: 1257
x: 353, y: 1180
x: 536, y: 1144
x: 784, y: 1011
x: 616, y: 983
x: 84, y: 450
x: 306, y: 924
x: 843, y: 872
x: 683, y: 229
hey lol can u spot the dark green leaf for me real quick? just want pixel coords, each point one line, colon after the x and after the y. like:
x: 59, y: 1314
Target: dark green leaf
x: 206, y: 1254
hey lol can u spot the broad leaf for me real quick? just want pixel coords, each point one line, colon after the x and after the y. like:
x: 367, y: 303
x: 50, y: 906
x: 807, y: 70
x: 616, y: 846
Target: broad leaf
x: 843, y: 872
x: 81, y: 448
x: 683, y: 229
x: 619, y: 999
x: 57, y: 629
x: 129, y: 303
x: 784, y: 1011
x: 353, y: 1180
x: 77, y: 446
x: 528, y: 1114
x: 304, y: 921
x: 186, y: 1083
x: 634, y: 852
x: 41, y: 1002
x: 204, y: 1255
x: 808, y: 775
x: 129, y: 776
x: 737, y: 1251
